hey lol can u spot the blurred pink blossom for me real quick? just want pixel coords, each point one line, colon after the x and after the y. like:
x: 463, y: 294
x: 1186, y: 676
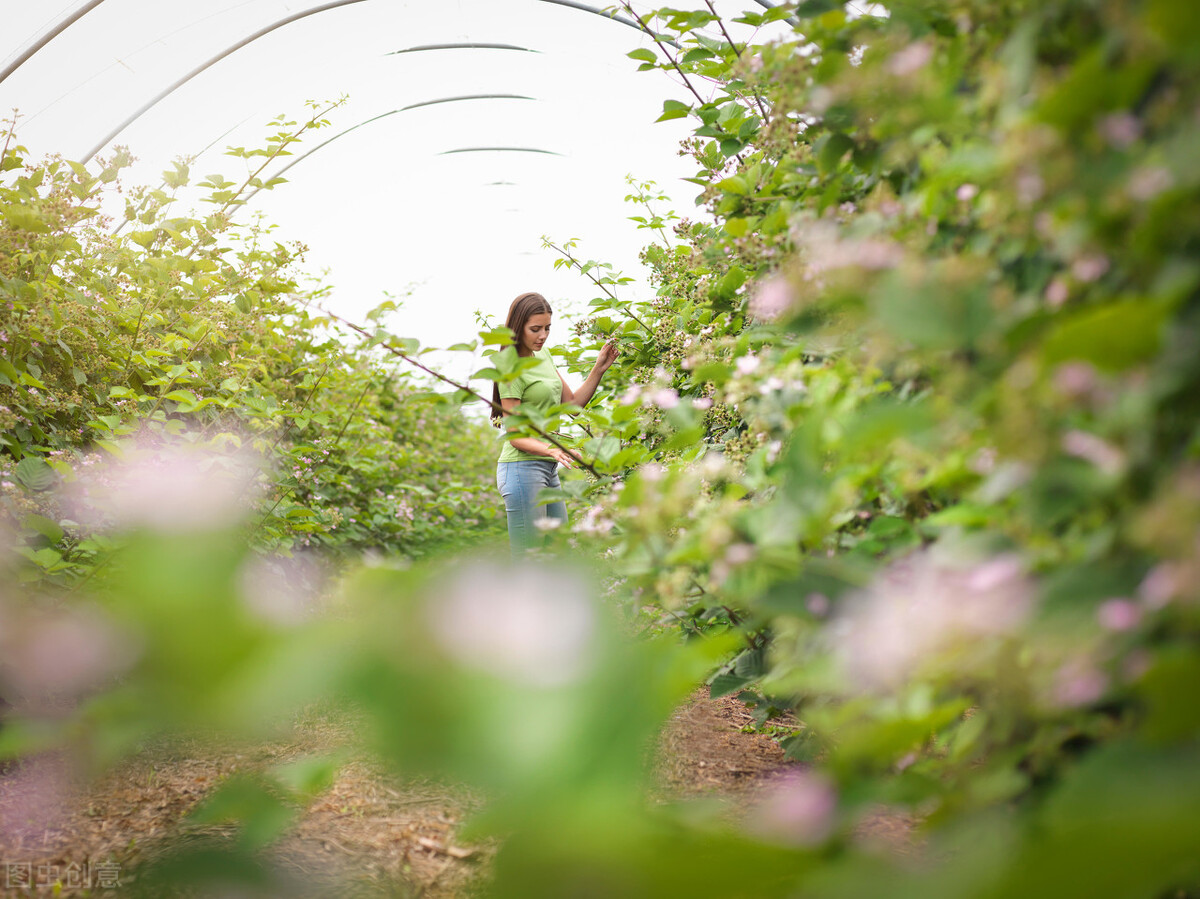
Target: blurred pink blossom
x: 1030, y: 188
x: 175, y: 488
x: 632, y: 395
x: 61, y: 653
x: 798, y: 811
x: 1147, y: 182
x: 1057, y: 292
x: 747, y: 365
x: 702, y: 403
x: 532, y: 625
x: 825, y: 249
x: 966, y: 192
x: 652, y: 472
x: 665, y: 398
x: 282, y: 590
x: 921, y: 608
x: 1078, y: 683
x: 771, y: 298
x: 1091, y: 267
x: 817, y: 604
x: 1160, y: 585
x: 1119, y: 614
x: 1091, y: 448
x: 1075, y: 380
x: 1121, y: 129
x: 911, y: 59
x: 739, y: 554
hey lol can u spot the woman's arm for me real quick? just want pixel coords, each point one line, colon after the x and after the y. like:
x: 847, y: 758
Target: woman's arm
x: 535, y: 446
x: 580, y: 397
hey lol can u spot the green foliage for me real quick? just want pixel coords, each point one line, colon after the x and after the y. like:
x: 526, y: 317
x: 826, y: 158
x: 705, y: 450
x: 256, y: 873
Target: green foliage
x: 201, y: 332
x: 907, y: 441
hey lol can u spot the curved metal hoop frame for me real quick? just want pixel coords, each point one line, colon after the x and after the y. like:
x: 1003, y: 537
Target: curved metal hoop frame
x: 216, y: 59
x: 423, y: 103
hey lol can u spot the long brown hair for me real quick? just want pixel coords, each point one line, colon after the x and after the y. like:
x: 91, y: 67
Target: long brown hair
x: 522, y: 308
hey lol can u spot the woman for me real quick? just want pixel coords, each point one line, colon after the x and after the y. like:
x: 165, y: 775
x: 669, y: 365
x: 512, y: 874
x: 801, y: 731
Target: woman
x: 527, y: 464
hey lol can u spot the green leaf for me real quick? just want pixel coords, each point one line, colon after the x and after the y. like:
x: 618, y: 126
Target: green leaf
x: 724, y: 684
x: 673, y: 109
x: 1113, y: 338
x: 34, y: 474
x: 48, y: 528
x: 830, y: 149
x: 642, y: 54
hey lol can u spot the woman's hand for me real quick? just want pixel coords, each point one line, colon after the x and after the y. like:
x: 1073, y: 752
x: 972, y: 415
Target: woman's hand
x: 608, y: 355
x: 565, y: 458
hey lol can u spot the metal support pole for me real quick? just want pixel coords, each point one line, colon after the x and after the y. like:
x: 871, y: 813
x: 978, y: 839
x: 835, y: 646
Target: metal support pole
x: 49, y: 36
x: 384, y: 115
x: 216, y: 59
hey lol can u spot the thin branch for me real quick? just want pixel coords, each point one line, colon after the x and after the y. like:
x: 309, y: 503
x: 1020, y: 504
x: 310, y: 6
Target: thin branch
x: 628, y: 307
x: 667, y: 53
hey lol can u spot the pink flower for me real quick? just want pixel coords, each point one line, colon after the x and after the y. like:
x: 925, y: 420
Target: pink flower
x: 534, y: 626
x: 703, y: 403
x: 1091, y: 448
x: 175, y: 489
x: 282, y: 590
x: 1119, y: 615
x: 771, y: 298
x: 798, y: 811
x: 1057, y: 292
x: 665, y: 398
x: 1078, y: 683
x: 632, y: 395
x: 966, y: 192
x: 817, y: 604
x: 921, y: 611
x: 1148, y: 182
x: 739, y: 554
x: 1075, y: 379
x: 1121, y: 129
x: 747, y: 365
x: 911, y: 59
x: 1160, y: 585
x: 1091, y: 267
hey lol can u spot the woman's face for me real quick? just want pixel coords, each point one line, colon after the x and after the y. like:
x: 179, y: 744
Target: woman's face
x: 537, y: 329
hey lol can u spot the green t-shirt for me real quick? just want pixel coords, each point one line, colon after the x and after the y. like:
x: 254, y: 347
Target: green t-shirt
x: 539, y: 387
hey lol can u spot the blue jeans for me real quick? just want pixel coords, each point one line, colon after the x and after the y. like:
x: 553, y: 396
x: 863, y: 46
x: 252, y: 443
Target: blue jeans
x: 519, y: 483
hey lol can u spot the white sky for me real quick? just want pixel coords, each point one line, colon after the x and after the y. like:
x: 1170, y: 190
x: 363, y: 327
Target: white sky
x: 381, y: 209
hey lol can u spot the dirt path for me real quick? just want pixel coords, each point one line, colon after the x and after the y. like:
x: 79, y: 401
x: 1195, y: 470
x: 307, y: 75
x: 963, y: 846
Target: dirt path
x: 363, y: 829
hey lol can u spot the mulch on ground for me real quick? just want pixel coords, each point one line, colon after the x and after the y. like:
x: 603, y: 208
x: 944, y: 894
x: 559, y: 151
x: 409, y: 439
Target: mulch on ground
x: 366, y: 834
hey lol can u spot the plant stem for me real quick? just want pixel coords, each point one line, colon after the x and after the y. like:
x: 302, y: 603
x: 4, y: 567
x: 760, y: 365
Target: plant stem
x: 628, y: 307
